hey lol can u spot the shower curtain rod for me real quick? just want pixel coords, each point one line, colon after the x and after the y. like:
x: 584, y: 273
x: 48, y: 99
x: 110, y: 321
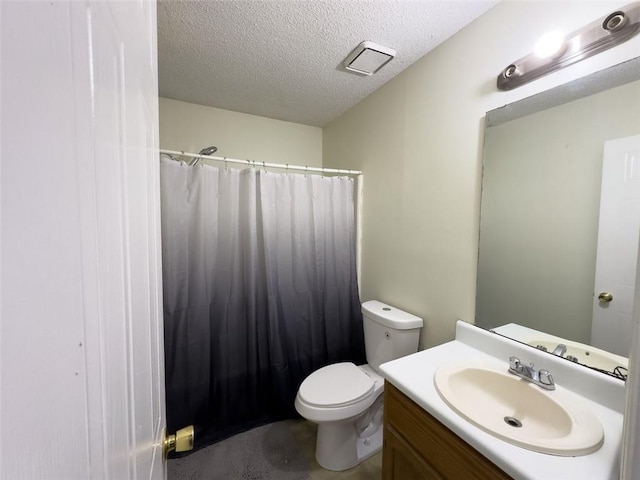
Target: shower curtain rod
x: 255, y: 163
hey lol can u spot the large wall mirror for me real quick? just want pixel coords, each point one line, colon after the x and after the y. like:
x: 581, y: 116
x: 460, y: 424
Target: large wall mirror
x: 540, y: 217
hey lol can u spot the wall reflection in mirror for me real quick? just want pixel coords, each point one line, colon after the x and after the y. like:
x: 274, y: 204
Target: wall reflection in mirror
x: 540, y: 220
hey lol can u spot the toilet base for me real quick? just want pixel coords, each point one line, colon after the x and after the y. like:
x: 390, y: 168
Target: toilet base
x: 339, y: 448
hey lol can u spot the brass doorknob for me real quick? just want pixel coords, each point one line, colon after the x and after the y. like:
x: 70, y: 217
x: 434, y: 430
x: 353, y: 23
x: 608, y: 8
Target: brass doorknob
x: 182, y: 441
x: 605, y: 297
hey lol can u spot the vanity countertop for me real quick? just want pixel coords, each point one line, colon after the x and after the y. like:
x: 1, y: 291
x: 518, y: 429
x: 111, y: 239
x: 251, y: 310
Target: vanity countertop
x: 413, y: 375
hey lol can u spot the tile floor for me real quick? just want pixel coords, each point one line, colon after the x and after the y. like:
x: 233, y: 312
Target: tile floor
x: 305, y: 433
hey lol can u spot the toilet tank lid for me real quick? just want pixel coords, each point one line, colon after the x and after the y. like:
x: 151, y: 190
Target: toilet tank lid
x: 390, y: 316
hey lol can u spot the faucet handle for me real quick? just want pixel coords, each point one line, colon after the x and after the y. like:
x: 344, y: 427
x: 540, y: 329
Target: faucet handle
x: 514, y: 363
x: 546, y: 378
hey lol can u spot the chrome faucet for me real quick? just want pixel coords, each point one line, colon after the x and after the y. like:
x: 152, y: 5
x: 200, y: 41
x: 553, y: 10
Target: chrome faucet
x: 542, y: 377
x: 560, y: 350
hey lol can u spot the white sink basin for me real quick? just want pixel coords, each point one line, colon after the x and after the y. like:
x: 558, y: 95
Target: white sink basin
x: 587, y: 355
x: 518, y: 411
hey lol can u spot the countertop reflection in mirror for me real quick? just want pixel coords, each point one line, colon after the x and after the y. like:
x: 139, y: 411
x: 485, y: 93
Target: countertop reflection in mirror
x: 595, y: 358
x: 540, y: 202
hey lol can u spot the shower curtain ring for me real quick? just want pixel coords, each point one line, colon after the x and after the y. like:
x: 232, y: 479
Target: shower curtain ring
x: 264, y: 167
x: 181, y: 157
x: 226, y: 165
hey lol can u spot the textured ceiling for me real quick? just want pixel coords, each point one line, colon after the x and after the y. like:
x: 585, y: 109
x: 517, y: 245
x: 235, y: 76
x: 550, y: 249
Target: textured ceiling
x: 283, y: 58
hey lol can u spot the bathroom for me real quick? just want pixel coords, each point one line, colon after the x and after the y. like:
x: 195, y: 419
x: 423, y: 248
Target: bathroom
x: 419, y: 139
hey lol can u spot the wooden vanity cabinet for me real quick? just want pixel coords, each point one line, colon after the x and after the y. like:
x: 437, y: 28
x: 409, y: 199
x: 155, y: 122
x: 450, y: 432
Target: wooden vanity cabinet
x: 419, y: 447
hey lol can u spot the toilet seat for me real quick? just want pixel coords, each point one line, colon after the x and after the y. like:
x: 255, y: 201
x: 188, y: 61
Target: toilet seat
x: 335, y: 386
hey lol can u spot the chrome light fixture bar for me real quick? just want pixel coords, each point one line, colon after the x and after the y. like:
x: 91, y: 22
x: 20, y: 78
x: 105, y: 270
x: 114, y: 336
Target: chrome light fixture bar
x: 556, y: 53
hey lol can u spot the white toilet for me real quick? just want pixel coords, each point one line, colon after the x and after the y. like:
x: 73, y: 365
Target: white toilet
x: 345, y: 400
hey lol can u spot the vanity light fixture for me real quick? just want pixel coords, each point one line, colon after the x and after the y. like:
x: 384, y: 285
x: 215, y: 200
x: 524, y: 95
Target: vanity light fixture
x: 368, y: 58
x: 554, y: 51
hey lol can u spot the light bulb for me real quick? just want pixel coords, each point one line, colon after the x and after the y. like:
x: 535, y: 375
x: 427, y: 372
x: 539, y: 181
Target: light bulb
x: 551, y: 44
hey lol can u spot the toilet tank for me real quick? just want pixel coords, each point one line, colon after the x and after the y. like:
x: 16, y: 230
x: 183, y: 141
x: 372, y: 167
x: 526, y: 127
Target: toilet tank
x: 389, y: 333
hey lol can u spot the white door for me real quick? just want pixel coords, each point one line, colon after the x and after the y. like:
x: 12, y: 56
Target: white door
x: 82, y: 379
x: 617, y: 252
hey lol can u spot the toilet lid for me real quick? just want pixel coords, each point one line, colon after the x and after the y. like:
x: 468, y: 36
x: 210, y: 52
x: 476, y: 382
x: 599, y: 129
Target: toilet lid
x: 336, y: 385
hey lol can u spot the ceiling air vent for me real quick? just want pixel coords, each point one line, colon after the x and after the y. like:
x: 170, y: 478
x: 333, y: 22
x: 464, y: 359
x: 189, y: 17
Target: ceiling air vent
x: 368, y: 58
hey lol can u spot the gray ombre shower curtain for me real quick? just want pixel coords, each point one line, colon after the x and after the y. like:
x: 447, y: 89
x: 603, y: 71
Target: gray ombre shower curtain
x: 259, y: 272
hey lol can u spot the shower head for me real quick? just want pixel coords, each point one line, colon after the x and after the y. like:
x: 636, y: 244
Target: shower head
x: 208, y: 151
x: 205, y: 151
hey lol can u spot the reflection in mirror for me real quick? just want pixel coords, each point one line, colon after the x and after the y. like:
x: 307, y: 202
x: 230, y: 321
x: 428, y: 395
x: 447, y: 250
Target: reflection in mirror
x: 596, y: 358
x: 541, y: 197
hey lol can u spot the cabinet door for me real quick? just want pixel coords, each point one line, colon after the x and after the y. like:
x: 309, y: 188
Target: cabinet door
x: 421, y: 447
x: 401, y: 462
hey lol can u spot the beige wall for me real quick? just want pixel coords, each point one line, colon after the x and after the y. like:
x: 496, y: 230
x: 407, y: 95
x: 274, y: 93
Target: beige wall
x: 418, y: 140
x: 189, y: 127
x: 539, y: 220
